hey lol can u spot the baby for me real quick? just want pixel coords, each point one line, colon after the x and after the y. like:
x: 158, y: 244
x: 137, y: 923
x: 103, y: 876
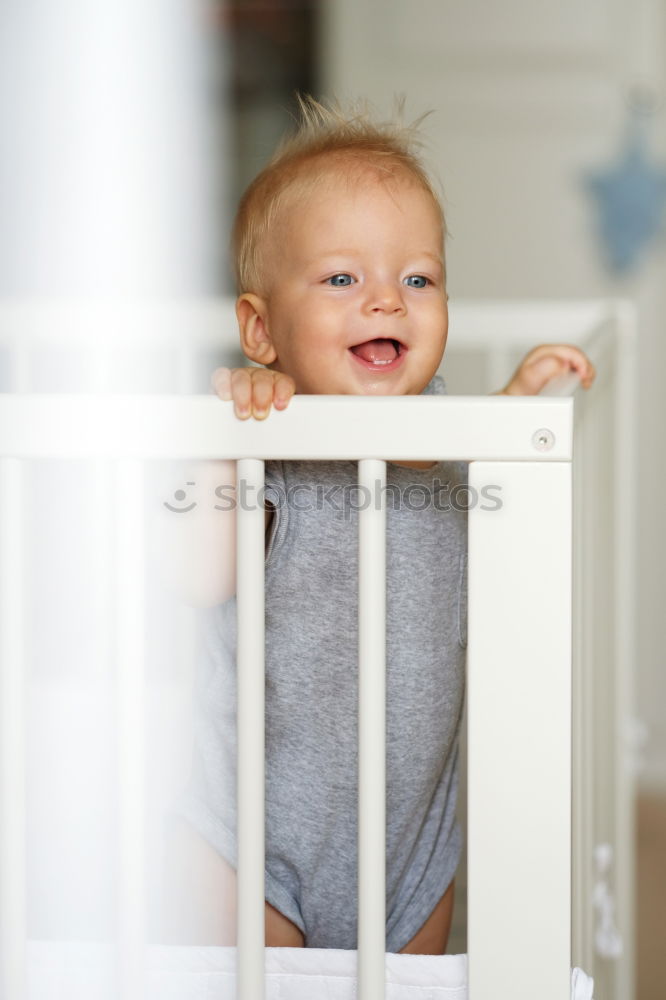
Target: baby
x: 339, y: 250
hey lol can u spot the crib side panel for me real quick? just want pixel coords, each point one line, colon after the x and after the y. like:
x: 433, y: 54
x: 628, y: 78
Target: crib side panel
x: 519, y: 662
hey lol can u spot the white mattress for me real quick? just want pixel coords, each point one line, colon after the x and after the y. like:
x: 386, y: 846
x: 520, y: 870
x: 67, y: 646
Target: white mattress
x: 75, y: 971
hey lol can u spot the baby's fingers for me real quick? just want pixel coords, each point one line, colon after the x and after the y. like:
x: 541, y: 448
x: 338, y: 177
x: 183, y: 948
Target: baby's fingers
x: 590, y: 376
x: 220, y: 382
x: 567, y: 356
x: 253, y: 390
x: 283, y: 389
x: 270, y: 387
x: 263, y: 383
x: 241, y: 392
x: 577, y: 361
x: 585, y: 370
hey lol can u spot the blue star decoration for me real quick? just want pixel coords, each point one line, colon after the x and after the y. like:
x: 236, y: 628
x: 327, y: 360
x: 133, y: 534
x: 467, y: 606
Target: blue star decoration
x: 631, y: 197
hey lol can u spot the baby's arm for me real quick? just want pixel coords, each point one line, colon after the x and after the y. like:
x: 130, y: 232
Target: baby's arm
x: 196, y: 535
x: 545, y: 362
x: 197, y: 546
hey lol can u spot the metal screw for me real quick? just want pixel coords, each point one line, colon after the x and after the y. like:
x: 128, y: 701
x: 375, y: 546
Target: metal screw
x: 543, y: 439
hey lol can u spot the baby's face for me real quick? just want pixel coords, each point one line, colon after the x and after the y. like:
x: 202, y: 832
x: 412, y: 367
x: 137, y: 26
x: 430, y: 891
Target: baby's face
x: 357, y: 300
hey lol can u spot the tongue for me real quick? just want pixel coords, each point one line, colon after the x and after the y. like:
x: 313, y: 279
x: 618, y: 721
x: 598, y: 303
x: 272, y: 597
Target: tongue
x: 376, y: 350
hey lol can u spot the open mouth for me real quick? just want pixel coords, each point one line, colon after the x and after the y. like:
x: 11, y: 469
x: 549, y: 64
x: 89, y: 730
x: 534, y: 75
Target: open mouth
x: 380, y: 354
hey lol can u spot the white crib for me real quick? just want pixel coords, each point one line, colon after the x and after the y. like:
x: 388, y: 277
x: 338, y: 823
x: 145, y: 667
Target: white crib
x: 519, y: 911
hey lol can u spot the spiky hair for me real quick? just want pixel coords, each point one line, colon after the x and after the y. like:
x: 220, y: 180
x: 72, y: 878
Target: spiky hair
x: 328, y: 139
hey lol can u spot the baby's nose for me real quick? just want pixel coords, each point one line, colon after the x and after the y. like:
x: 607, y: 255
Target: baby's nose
x: 386, y: 297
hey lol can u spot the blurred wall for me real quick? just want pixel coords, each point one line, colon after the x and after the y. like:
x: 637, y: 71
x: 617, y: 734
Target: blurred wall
x: 529, y: 97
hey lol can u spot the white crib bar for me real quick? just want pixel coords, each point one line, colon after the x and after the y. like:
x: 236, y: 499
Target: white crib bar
x: 519, y: 670
x: 104, y: 488
x: 625, y: 630
x: 250, y: 721
x: 372, y: 730
x: 130, y: 688
x: 13, y: 669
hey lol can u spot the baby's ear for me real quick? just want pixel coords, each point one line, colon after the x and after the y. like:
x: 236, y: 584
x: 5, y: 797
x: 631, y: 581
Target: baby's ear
x: 252, y: 312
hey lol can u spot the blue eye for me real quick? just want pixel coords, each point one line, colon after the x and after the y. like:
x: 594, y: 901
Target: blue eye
x: 340, y: 280
x: 417, y: 281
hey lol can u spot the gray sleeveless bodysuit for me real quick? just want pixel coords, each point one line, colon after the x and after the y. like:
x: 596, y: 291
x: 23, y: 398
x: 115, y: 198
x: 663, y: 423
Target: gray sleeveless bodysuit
x: 311, y: 698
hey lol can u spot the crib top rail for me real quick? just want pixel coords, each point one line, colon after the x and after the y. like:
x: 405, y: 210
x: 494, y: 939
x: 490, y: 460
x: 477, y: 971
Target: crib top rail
x: 468, y: 428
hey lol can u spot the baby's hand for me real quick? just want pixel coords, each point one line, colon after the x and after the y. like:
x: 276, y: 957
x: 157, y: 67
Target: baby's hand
x: 545, y: 362
x: 253, y: 390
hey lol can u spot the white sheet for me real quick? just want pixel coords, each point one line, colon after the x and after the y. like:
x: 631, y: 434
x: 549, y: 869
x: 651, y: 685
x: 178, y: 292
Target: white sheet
x: 76, y: 971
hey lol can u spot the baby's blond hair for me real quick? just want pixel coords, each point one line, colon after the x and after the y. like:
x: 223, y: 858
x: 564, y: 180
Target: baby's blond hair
x: 326, y: 136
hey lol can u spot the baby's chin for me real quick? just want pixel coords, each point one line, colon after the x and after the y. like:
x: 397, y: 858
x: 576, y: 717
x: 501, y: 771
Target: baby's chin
x: 391, y: 387
x: 337, y: 389
x: 381, y: 389
x: 351, y: 383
